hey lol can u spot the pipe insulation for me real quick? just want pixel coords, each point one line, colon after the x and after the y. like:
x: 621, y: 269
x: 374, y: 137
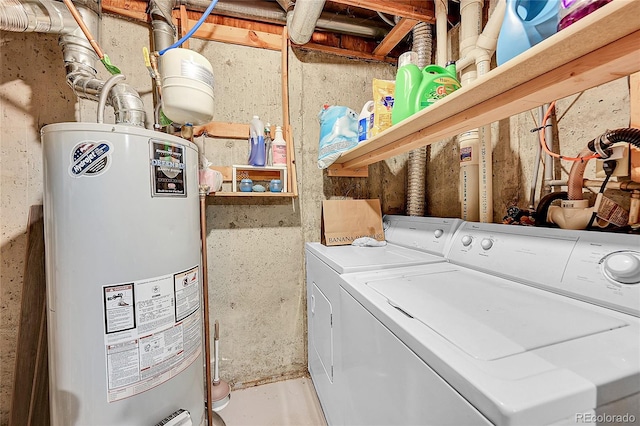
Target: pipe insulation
x: 417, y: 162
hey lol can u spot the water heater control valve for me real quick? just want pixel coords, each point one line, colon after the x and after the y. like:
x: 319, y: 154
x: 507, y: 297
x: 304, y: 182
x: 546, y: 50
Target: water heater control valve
x: 622, y: 267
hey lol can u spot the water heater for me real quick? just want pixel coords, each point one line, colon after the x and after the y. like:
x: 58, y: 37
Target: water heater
x: 123, y: 275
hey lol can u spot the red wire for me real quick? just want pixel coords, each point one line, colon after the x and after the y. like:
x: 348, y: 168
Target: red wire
x: 543, y: 142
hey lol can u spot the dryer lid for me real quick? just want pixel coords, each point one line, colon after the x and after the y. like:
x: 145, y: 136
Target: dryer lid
x: 491, y: 318
x: 344, y: 259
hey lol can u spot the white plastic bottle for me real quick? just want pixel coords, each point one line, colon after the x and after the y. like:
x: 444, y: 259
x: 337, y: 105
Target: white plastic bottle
x: 279, y: 148
x: 365, y: 121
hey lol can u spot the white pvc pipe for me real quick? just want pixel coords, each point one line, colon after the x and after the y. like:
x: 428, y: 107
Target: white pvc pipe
x: 470, y: 25
x: 442, y: 8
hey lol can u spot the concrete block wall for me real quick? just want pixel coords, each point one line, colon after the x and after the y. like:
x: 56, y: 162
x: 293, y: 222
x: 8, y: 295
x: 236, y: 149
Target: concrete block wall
x: 255, y: 247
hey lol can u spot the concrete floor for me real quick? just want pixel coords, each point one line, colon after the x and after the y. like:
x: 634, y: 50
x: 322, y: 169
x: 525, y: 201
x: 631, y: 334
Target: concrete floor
x: 286, y: 403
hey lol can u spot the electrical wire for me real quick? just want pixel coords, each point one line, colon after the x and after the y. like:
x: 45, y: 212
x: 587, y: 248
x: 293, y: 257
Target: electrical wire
x: 204, y: 16
x: 543, y: 142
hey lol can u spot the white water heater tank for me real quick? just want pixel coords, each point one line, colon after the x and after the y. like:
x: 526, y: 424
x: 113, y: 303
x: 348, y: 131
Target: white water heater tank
x: 122, y: 235
x: 187, y: 87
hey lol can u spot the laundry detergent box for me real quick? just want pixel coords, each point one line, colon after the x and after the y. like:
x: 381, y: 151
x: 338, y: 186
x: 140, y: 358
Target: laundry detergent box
x: 383, y: 99
x: 344, y: 221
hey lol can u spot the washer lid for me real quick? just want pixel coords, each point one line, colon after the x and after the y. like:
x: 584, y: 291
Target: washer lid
x: 344, y: 259
x: 487, y: 317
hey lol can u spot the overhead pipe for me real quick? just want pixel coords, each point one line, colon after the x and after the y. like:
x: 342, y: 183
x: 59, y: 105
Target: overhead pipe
x: 78, y: 55
x: 272, y: 13
x: 163, y: 30
x: 476, y: 168
x: 44, y: 16
x: 80, y: 58
x: 302, y: 20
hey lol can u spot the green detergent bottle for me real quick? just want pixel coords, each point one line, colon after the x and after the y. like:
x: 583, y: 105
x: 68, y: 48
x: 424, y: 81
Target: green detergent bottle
x: 408, y: 80
x: 437, y: 82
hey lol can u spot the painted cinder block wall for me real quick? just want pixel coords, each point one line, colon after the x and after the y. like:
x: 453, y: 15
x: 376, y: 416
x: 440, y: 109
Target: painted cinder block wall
x: 255, y: 247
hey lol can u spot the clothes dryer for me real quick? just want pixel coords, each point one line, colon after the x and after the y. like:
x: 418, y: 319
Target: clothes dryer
x: 410, y: 241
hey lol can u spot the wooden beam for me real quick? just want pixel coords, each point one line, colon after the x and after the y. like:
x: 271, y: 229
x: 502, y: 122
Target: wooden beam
x: 138, y: 15
x: 395, y: 36
x: 338, y: 170
x: 344, y: 52
x: 397, y: 8
x: 222, y: 130
x: 30, y: 402
x: 292, y: 182
x: 184, y: 25
x: 244, y: 37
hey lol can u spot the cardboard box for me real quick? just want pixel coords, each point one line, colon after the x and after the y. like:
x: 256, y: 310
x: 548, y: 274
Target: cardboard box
x: 346, y: 220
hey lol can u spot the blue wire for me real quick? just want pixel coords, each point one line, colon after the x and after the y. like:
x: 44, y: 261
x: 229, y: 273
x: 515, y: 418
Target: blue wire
x: 192, y: 30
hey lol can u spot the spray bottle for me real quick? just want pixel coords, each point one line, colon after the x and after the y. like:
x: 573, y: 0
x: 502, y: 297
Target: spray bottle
x: 408, y: 79
x: 257, y: 152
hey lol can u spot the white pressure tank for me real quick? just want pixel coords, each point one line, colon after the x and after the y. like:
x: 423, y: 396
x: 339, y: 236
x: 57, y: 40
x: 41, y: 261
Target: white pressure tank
x: 123, y: 275
x: 187, y: 87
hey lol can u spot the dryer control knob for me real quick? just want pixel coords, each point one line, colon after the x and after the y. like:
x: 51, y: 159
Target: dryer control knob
x: 467, y: 240
x: 438, y: 233
x: 623, y: 267
x: 486, y: 243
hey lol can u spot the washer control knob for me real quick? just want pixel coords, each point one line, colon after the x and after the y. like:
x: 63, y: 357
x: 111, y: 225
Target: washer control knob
x: 438, y: 233
x: 486, y: 243
x: 623, y: 267
x: 467, y: 240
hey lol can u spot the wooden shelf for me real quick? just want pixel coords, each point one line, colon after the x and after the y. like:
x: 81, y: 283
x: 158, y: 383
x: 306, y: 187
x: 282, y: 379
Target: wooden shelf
x: 254, y: 194
x: 600, y: 48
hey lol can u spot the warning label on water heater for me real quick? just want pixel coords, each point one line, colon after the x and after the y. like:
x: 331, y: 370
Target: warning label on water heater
x: 168, y: 177
x: 152, y: 331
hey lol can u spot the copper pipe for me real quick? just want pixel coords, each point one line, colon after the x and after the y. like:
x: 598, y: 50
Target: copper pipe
x: 205, y: 291
x: 83, y: 27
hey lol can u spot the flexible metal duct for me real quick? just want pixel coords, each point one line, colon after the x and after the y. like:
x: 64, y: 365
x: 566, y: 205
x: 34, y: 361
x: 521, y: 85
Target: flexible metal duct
x: 417, y: 163
x: 35, y: 16
x: 79, y: 57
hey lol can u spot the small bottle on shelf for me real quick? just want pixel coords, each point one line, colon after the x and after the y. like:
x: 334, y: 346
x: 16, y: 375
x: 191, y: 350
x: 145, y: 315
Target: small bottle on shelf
x: 279, y: 148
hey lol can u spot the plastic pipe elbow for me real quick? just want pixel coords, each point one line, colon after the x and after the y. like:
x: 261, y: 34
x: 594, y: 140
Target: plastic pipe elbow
x: 573, y: 214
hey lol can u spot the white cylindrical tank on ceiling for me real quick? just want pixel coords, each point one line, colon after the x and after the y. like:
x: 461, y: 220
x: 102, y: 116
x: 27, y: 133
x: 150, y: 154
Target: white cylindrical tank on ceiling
x: 187, y: 87
x: 123, y: 275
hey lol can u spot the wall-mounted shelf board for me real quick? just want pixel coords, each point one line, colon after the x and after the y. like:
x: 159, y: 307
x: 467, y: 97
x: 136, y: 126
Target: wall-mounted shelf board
x: 599, y: 48
x: 254, y: 194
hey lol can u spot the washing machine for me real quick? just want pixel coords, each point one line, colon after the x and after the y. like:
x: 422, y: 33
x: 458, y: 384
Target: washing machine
x: 522, y: 326
x: 410, y: 241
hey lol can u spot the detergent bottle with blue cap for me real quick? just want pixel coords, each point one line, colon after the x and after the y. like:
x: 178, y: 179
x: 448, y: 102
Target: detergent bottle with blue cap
x: 437, y: 82
x: 526, y: 23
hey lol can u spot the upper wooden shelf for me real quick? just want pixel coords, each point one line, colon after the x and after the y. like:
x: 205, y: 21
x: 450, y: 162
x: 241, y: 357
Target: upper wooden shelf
x: 599, y: 48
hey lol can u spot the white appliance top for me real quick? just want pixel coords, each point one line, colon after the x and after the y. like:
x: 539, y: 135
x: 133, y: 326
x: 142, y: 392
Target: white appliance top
x: 489, y: 319
x: 410, y: 241
x: 521, y: 354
